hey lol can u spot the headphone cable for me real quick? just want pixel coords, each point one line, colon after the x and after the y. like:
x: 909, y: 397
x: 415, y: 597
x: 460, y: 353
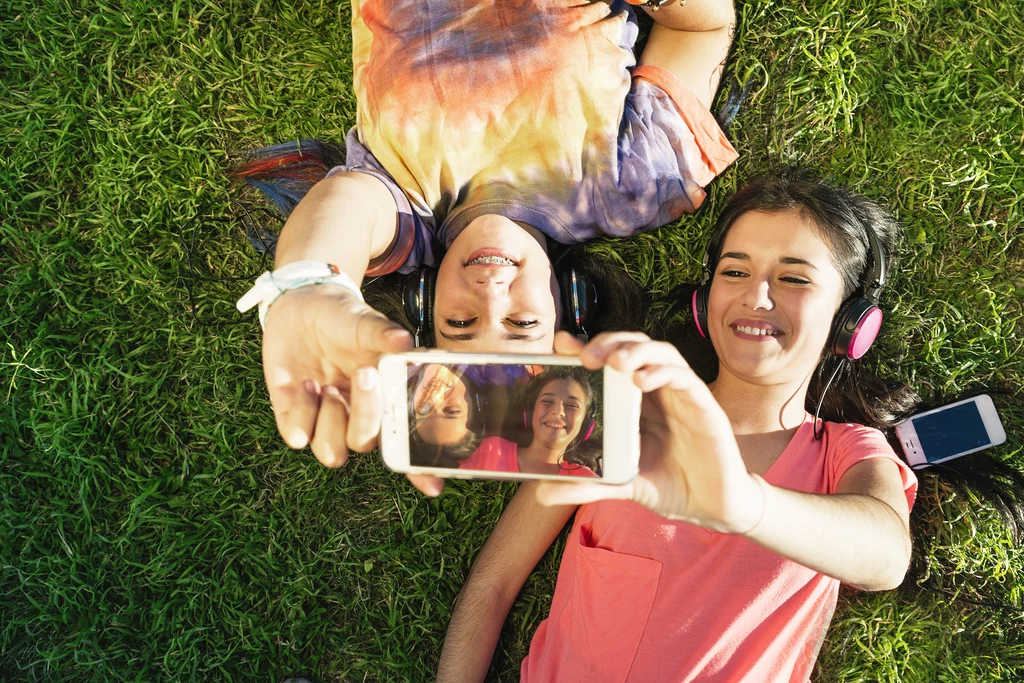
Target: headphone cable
x: 817, y: 408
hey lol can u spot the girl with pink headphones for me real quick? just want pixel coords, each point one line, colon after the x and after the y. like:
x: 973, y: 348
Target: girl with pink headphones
x: 558, y: 425
x: 722, y: 560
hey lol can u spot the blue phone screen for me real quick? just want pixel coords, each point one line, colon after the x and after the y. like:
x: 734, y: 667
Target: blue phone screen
x: 952, y: 431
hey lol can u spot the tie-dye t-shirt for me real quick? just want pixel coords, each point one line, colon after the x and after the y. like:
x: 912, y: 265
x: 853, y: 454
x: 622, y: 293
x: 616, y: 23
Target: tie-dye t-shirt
x: 533, y: 110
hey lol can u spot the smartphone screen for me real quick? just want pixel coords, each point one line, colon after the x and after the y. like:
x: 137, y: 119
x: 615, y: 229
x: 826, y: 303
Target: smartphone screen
x: 950, y: 432
x: 506, y: 418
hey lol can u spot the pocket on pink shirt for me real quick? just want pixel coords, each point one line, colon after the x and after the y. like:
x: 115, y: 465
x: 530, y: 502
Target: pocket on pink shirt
x: 608, y: 610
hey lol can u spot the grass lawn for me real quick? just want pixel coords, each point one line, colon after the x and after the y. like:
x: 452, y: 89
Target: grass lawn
x: 152, y: 524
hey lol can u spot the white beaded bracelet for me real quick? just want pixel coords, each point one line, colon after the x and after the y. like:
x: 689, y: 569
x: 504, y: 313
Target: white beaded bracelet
x: 269, y: 286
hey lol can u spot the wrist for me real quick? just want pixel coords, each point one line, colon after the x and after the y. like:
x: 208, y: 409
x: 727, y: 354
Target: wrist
x: 756, y: 508
x: 269, y: 287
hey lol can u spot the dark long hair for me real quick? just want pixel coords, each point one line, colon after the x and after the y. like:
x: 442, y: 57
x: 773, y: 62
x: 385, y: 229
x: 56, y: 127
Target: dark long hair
x: 857, y: 394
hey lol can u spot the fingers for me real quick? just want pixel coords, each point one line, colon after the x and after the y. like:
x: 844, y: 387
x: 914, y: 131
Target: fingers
x: 595, y: 354
x: 328, y: 442
x: 628, y: 351
x: 631, y: 356
x: 653, y: 378
x: 551, y: 493
x: 366, y: 411
x: 295, y: 411
x: 373, y: 331
x: 567, y: 344
x: 426, y: 484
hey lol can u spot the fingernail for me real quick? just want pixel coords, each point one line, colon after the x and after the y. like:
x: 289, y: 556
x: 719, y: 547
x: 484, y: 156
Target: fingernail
x: 298, y: 438
x: 366, y: 378
x: 310, y: 386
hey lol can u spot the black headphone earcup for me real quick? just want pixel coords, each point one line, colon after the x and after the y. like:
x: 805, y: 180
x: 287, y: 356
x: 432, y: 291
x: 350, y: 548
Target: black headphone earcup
x: 429, y: 280
x: 418, y: 301
x: 579, y: 299
x: 477, y: 422
x: 699, y: 308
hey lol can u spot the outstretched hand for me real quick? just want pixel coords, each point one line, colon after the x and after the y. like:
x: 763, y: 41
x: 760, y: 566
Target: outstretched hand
x: 321, y: 345
x: 690, y: 464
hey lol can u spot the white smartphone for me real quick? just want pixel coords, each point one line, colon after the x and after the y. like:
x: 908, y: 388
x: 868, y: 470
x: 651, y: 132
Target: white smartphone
x: 508, y: 416
x: 948, y: 432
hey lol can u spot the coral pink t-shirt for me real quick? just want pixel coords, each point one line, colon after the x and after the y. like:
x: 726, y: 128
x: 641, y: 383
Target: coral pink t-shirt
x: 641, y: 599
x: 495, y: 454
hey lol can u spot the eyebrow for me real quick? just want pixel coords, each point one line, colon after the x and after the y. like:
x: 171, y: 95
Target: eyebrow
x: 788, y: 260
x: 441, y: 416
x: 551, y: 393
x: 469, y: 336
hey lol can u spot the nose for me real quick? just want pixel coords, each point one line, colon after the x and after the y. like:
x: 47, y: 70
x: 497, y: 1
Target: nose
x: 489, y: 280
x: 758, y: 295
x: 491, y: 292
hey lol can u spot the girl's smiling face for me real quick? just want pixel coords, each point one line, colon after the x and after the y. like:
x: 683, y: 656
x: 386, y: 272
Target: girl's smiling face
x: 496, y: 290
x: 558, y: 413
x: 774, y: 294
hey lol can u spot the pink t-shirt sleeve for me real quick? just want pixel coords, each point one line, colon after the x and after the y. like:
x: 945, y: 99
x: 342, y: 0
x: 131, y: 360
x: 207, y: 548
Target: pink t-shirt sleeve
x: 856, y: 443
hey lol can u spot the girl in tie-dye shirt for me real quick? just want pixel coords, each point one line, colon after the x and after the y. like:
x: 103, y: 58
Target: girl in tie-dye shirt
x: 486, y: 132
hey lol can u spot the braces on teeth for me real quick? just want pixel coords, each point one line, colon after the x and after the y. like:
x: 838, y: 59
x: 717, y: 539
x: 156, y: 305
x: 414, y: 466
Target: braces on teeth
x: 496, y: 260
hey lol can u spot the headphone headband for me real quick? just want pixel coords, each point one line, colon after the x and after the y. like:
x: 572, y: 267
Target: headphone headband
x: 874, y: 281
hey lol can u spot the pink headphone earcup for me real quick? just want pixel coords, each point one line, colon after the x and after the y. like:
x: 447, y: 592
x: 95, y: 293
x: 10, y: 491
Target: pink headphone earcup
x: 865, y: 333
x: 697, y: 306
x: 590, y: 430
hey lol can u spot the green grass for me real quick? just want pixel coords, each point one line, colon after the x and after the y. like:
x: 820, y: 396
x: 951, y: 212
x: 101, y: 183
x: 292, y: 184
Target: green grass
x: 152, y: 525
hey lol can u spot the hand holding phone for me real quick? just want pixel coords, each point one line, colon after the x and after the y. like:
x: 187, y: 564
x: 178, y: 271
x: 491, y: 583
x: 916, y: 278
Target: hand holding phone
x: 508, y: 417
x: 316, y: 340
x: 690, y: 464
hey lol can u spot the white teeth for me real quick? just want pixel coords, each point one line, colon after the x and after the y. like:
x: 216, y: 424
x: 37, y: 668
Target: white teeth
x: 755, y: 331
x: 494, y: 260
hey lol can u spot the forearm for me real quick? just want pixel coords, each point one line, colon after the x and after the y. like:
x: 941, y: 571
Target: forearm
x: 692, y: 41
x: 345, y: 220
x: 472, y: 636
x: 855, y: 538
x: 524, y: 532
x: 695, y: 15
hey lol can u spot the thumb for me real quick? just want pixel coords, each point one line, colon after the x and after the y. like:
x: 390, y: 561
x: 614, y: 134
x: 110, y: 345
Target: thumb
x: 550, y: 493
x: 376, y: 332
x: 354, y: 325
x: 566, y: 344
x: 426, y: 484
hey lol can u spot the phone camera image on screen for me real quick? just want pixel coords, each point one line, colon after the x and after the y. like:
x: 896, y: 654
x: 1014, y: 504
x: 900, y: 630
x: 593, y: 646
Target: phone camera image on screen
x: 952, y: 431
x: 506, y: 418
